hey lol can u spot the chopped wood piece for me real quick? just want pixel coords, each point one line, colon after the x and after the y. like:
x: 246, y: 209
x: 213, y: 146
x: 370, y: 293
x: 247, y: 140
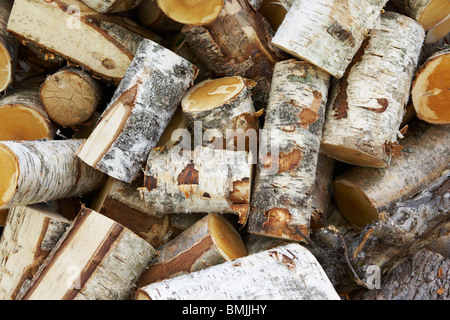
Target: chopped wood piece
x: 365, y: 111
x: 428, y: 13
x: 281, y: 203
x: 8, y: 47
x: 121, y: 202
x: 430, y: 94
x: 152, y: 17
x: 224, y: 110
x: 29, y: 236
x: 288, y: 272
x: 70, y: 96
x: 362, y: 194
x: 199, y: 180
x: 97, y: 259
x: 210, y: 241
x: 103, y: 44
x: 139, y: 112
x: 22, y: 115
x: 237, y: 43
x: 38, y: 171
x: 327, y: 33
x: 191, y: 12
x: 111, y: 6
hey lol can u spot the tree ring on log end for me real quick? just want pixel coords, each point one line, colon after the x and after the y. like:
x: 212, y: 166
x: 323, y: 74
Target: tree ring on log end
x: 353, y: 203
x: 210, y: 94
x: 191, y: 12
x: 9, y: 174
x: 226, y: 238
x: 5, y: 68
x: 352, y: 156
x: 19, y: 122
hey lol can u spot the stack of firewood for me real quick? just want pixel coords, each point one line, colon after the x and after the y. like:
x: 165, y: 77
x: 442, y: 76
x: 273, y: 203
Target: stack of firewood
x: 221, y: 149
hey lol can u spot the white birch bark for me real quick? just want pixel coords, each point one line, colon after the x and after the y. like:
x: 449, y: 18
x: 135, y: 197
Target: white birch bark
x: 327, y: 33
x: 140, y: 110
x: 111, y: 6
x: 199, y: 180
x: 97, y: 259
x: 288, y: 272
x: 29, y: 236
x: 366, y: 107
x: 281, y: 203
x: 40, y: 171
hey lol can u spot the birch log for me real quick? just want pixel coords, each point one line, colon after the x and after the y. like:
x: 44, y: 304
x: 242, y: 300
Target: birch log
x: 429, y: 93
x: 428, y: 13
x: 327, y: 33
x: 29, y: 236
x: 38, y: 171
x: 365, y: 111
x: 281, y: 204
x: 191, y: 12
x: 274, y: 11
x: 138, y: 113
x: 438, y: 32
x: 362, y: 194
x: 223, y: 109
x: 210, y: 241
x: 111, y: 6
x: 97, y: 259
x: 103, y: 44
x: 8, y: 47
x: 199, y: 180
x: 120, y: 201
x: 237, y: 43
x: 22, y: 115
x: 70, y: 96
x: 288, y: 272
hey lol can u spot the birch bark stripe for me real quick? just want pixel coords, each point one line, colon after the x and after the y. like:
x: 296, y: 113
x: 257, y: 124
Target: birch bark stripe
x: 327, y: 33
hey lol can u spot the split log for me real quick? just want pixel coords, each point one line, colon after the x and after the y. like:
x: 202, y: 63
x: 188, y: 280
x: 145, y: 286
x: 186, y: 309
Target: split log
x: 428, y: 13
x: 237, y: 43
x: 224, y: 111
x: 8, y: 47
x: 30, y: 235
x: 38, y: 171
x: 362, y: 194
x: 327, y: 33
x: 287, y: 272
x: 76, y: 32
x: 121, y: 202
x: 151, y: 16
x: 22, y: 115
x: 210, y: 241
x: 97, y: 259
x: 70, y: 96
x: 111, y: 6
x: 281, y: 205
x: 191, y: 12
x: 139, y: 111
x: 429, y: 93
x: 199, y: 180
x: 365, y: 111
x: 323, y: 190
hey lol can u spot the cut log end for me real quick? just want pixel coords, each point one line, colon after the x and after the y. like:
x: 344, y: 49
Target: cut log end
x: 192, y: 12
x: 9, y: 173
x: 210, y: 94
x: 352, y: 156
x: 20, y: 122
x: 5, y: 68
x: 69, y: 98
x: 226, y: 238
x: 354, y: 204
x: 438, y: 32
x: 430, y: 92
x: 434, y: 13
